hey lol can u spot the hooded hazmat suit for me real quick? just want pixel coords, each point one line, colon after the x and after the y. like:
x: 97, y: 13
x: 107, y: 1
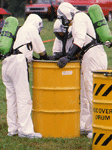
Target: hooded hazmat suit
x: 94, y: 59
x: 15, y: 78
x: 58, y: 44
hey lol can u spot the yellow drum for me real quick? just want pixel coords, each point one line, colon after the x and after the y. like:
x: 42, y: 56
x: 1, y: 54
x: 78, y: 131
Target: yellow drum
x: 56, y: 109
x: 102, y: 110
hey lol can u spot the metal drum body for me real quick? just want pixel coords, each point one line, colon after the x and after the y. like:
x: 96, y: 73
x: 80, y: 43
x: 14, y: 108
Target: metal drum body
x: 56, y: 109
x: 102, y: 110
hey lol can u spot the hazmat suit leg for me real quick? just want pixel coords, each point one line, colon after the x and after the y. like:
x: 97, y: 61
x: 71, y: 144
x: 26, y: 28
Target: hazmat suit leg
x: 24, y: 102
x: 84, y: 106
x: 10, y: 96
x: 11, y: 109
x: 15, y: 71
x: 93, y: 60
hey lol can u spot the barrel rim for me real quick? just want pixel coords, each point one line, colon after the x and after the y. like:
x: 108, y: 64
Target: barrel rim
x: 54, y: 61
x: 103, y: 72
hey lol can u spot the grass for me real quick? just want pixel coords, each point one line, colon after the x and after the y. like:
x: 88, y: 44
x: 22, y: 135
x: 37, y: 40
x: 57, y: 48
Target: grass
x: 16, y: 143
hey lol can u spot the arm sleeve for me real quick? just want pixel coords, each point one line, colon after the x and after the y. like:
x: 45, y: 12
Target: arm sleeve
x: 37, y: 43
x: 73, y: 50
x: 79, y: 29
x: 57, y: 46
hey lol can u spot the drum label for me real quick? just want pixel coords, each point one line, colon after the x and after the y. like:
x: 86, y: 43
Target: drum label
x: 67, y: 72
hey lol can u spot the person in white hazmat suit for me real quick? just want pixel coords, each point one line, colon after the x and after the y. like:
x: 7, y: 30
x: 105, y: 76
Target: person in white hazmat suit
x: 15, y: 78
x: 62, y: 42
x: 61, y: 47
x: 57, y: 50
x: 93, y: 59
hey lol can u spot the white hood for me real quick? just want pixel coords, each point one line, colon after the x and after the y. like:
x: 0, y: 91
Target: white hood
x: 35, y: 20
x: 29, y: 32
x: 59, y: 27
x: 66, y: 10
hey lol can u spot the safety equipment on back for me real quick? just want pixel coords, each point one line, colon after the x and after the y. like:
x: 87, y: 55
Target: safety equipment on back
x: 100, y: 24
x: 8, y: 35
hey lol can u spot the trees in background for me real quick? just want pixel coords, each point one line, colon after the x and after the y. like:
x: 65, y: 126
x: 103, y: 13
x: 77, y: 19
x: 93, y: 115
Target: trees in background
x: 16, y: 7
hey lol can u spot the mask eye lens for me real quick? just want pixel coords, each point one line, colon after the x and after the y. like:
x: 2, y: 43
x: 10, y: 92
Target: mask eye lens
x: 40, y: 29
x: 65, y: 22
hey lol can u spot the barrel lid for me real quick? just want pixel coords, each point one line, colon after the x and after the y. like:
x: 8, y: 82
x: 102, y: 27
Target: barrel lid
x: 105, y: 72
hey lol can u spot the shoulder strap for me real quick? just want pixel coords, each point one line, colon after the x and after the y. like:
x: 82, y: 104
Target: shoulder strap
x: 29, y: 45
x: 64, y: 41
x: 91, y: 36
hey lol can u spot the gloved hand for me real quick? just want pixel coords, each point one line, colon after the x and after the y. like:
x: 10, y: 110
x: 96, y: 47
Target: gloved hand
x: 55, y: 56
x: 63, y: 61
x: 43, y: 56
x: 58, y: 55
x: 50, y: 57
x: 73, y: 50
x: 110, y: 45
x: 35, y: 58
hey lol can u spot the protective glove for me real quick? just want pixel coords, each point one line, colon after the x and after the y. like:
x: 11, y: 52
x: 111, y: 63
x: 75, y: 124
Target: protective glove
x: 55, y: 56
x: 58, y: 55
x: 43, y: 56
x: 63, y: 61
x: 50, y: 57
x: 73, y: 51
x: 35, y: 58
x: 109, y: 45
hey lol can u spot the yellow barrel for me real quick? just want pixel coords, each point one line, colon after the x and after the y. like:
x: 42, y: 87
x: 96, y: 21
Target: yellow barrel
x: 56, y: 109
x: 102, y: 110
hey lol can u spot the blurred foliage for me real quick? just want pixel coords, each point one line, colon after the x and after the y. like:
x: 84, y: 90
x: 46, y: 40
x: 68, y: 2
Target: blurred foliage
x: 16, y: 7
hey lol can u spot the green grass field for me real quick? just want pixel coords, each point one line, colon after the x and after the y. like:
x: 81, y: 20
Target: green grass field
x: 16, y: 143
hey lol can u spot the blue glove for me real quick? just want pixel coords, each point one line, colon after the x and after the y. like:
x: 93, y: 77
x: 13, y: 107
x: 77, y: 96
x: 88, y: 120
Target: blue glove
x: 63, y: 61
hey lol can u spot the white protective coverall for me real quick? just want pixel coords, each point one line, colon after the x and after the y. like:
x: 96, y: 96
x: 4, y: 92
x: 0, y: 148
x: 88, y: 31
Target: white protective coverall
x: 94, y: 59
x: 15, y: 77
